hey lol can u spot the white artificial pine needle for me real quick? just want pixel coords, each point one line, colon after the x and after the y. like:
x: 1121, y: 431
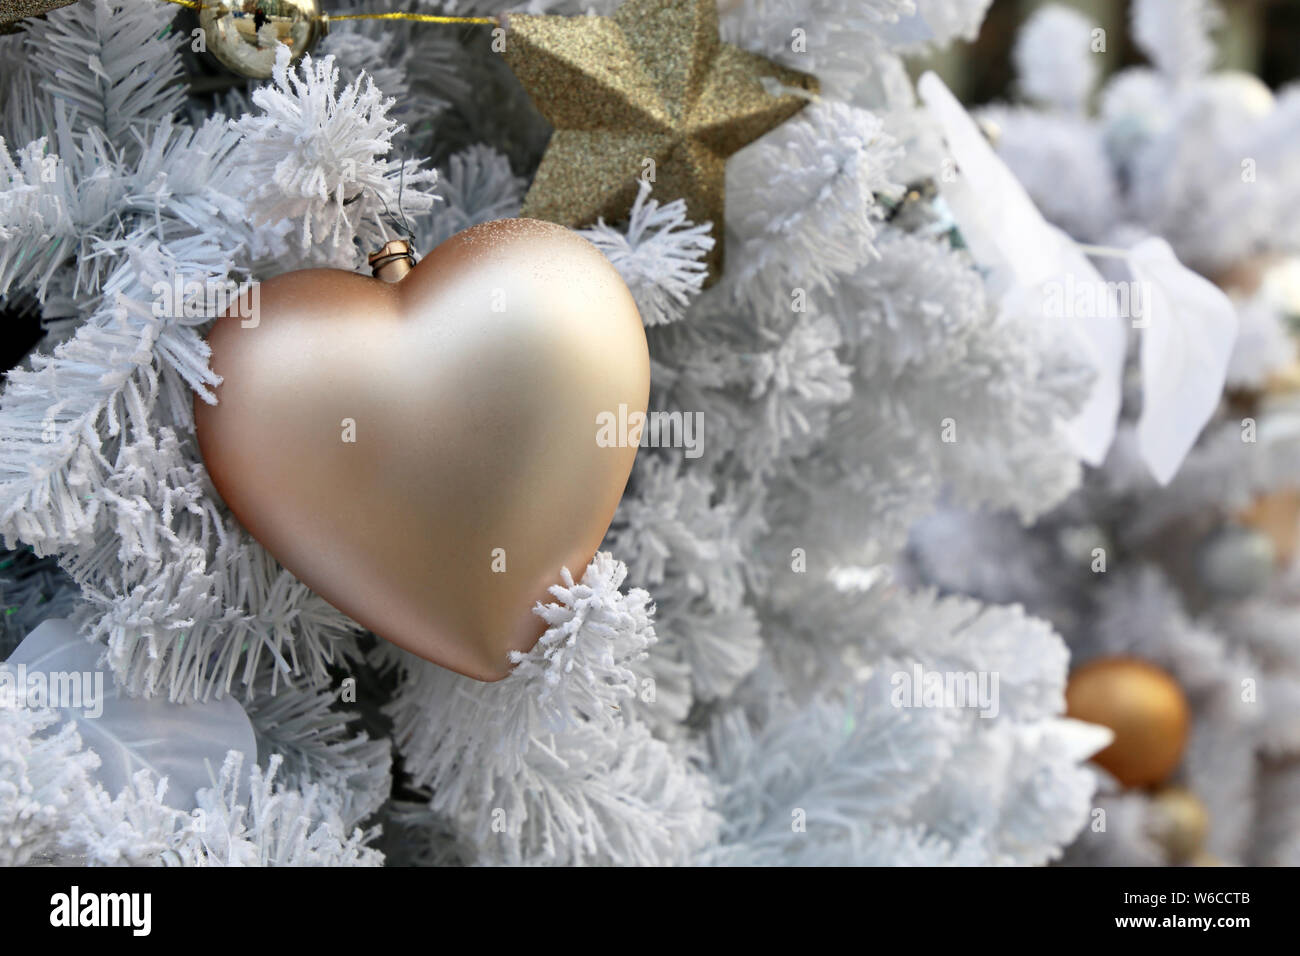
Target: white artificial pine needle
x: 877, y: 421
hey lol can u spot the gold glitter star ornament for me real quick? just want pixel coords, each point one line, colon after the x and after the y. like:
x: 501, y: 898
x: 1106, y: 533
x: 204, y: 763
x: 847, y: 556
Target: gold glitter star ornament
x: 14, y: 11
x: 652, y: 93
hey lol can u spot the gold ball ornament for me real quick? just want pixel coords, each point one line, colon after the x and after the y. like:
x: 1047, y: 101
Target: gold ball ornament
x: 422, y: 448
x: 1145, y: 708
x: 245, y: 34
x: 1273, y: 282
x: 1276, y: 515
x: 1179, y: 822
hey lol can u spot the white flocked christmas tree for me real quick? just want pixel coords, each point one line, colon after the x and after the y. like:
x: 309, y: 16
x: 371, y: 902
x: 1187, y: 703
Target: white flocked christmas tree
x: 1209, y: 161
x: 721, y: 684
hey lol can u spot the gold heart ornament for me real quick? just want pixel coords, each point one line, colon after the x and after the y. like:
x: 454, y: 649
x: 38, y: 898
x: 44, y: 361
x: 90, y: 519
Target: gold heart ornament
x: 425, y: 453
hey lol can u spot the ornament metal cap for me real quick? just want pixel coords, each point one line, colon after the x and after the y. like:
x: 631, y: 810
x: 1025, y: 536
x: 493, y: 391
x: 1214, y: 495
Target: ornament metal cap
x: 393, y: 261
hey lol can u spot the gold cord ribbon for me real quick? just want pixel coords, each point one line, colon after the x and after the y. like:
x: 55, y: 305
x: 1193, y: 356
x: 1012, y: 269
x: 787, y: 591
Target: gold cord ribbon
x: 414, y: 17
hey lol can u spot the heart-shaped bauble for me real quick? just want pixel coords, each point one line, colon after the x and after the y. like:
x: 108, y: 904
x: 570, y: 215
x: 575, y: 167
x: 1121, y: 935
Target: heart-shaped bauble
x: 424, y: 454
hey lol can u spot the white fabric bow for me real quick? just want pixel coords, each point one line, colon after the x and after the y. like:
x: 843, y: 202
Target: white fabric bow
x: 1188, y: 324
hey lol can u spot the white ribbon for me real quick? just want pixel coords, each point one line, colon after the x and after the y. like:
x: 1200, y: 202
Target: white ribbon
x: 1188, y: 324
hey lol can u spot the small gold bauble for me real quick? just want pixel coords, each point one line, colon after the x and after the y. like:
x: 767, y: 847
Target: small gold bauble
x: 1277, y: 515
x: 245, y: 34
x: 1145, y: 708
x: 1179, y: 823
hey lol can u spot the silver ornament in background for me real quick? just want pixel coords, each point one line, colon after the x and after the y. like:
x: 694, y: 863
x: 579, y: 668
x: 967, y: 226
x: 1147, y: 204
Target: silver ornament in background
x: 1235, y: 562
x: 245, y: 34
x: 1083, y: 544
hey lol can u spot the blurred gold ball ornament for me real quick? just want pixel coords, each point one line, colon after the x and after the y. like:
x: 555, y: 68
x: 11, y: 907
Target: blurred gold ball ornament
x: 423, y: 448
x: 1245, y: 278
x: 1179, y: 822
x: 1276, y: 515
x: 245, y: 34
x: 1270, y: 282
x: 1145, y: 708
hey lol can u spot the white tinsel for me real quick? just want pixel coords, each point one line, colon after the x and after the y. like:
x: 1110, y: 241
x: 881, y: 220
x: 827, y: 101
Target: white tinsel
x: 273, y: 826
x: 43, y: 775
x: 1175, y: 34
x: 1055, y: 63
x: 806, y: 199
x: 821, y: 366
x: 542, y: 767
x: 658, y: 255
x: 317, y: 155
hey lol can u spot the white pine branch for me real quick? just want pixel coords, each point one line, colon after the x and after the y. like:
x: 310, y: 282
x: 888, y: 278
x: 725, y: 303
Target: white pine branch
x: 658, y: 253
